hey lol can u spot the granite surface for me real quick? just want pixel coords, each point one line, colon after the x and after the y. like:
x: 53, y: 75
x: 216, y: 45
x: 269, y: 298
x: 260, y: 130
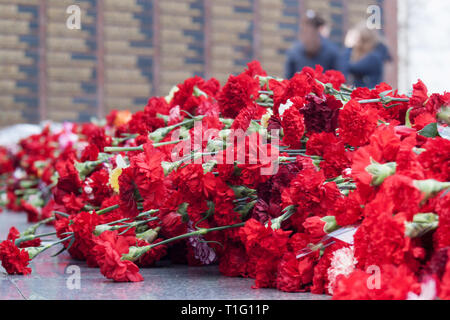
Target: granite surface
x: 56, y: 278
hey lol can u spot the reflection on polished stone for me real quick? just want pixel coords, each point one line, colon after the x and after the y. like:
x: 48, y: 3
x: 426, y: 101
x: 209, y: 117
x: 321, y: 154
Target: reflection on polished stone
x: 51, y: 279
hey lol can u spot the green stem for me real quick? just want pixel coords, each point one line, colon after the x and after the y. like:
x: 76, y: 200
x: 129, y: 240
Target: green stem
x: 63, y: 214
x: 160, y: 144
x: 142, y: 250
x: 123, y: 149
x: 384, y: 100
x: 265, y: 105
x: 141, y: 215
x: 33, y: 228
x: 108, y: 209
x: 45, y: 235
x: 196, y: 233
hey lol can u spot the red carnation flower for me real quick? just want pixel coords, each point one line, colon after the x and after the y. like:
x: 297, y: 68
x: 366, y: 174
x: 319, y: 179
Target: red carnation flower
x: 418, y: 98
x: 83, y: 225
x: 108, y: 253
x: 315, y: 228
x: 244, y: 117
x: 149, y: 176
x: 172, y: 224
x: 383, y: 148
x: 321, y: 113
x: 293, y: 127
x: 185, y: 97
x: 14, y: 260
x: 442, y: 235
x: 149, y: 258
x: 336, y: 159
x: 266, y: 246
x: 400, y: 191
x: 300, y: 86
x: 348, y: 210
x: 254, y: 69
x: 444, y: 290
x: 395, y: 284
x: 33, y: 213
x: 233, y: 262
x: 436, y: 159
x: 357, y: 123
x: 193, y: 184
x: 318, y: 143
x: 381, y: 237
x: 311, y: 196
x: 127, y: 188
x: 238, y: 93
x: 69, y: 180
x: 14, y: 234
x: 289, y: 278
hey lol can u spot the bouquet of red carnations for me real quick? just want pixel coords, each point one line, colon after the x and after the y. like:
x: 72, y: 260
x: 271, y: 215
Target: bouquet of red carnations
x: 302, y: 184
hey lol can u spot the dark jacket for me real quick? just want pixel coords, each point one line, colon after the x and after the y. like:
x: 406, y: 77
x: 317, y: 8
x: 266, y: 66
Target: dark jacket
x: 367, y: 72
x: 296, y: 58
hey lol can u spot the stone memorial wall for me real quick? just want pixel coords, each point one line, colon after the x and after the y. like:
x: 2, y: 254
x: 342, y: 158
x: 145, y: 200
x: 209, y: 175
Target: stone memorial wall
x: 129, y: 50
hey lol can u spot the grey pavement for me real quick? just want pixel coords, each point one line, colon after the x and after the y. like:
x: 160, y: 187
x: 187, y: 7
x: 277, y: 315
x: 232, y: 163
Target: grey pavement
x: 52, y: 278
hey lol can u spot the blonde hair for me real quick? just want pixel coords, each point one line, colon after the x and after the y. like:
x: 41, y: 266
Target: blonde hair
x: 368, y: 39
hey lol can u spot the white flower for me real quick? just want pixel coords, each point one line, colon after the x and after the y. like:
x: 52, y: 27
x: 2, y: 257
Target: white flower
x: 121, y: 163
x: 428, y: 291
x: 88, y: 190
x: 343, y: 262
x: 19, y: 174
x: 284, y: 107
x: 172, y: 92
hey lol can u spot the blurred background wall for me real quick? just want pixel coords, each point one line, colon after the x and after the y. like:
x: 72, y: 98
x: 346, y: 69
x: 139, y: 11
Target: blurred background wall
x: 424, y: 46
x: 129, y: 50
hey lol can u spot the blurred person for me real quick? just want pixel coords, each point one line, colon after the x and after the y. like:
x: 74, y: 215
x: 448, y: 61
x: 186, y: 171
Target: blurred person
x: 364, y: 58
x: 313, y: 48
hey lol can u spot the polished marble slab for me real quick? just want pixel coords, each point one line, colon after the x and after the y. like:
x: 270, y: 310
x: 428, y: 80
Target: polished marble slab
x: 55, y: 278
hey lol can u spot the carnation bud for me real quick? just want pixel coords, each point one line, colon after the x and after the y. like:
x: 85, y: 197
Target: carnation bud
x: 227, y: 122
x: 242, y: 191
x: 379, y: 171
x: 135, y: 253
x: 430, y: 187
x: 330, y: 224
x: 421, y: 224
x: 198, y: 93
x: 209, y: 166
x: 215, y: 145
x: 101, y: 228
x: 223, y: 134
x: 245, y: 209
x: 34, y: 251
x: 86, y: 168
x: 168, y: 167
x: 318, y: 227
x: 276, y: 223
x: 149, y: 235
x: 158, y: 135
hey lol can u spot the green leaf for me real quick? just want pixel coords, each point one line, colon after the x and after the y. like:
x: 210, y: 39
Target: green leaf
x: 430, y: 131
